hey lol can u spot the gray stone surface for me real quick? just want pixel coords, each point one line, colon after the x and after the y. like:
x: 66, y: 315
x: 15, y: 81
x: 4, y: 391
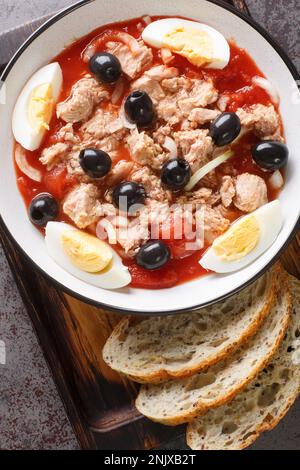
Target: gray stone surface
x: 14, y: 12
x: 281, y: 19
x: 31, y: 413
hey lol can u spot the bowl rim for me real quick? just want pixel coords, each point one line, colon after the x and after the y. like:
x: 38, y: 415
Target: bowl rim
x: 124, y: 311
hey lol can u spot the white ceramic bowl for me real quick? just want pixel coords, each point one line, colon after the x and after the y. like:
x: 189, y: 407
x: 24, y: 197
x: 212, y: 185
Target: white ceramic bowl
x: 80, y: 19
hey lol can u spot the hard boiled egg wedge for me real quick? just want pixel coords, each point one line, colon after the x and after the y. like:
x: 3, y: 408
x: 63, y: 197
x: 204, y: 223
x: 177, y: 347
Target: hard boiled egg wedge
x: 200, y: 44
x: 35, y: 106
x: 85, y: 256
x: 245, y: 241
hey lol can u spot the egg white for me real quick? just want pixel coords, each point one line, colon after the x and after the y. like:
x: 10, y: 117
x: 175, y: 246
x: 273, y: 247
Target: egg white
x: 155, y: 32
x: 270, y: 220
x: 22, y: 130
x: 114, y: 277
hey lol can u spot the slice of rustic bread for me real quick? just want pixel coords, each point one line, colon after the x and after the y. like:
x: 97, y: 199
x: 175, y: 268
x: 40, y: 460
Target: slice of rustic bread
x: 262, y: 404
x: 158, y: 348
x: 179, y: 401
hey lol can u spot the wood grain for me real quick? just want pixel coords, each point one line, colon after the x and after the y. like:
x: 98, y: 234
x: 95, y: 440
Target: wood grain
x: 99, y: 402
x: 291, y: 257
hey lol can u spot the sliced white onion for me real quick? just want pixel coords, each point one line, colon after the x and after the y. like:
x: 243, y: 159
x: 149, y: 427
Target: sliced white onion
x: 89, y: 51
x: 117, y: 36
x: 140, y: 26
x: 127, y: 124
x: 170, y: 145
x: 268, y: 87
x: 28, y: 170
x: 166, y: 55
x: 276, y: 180
x: 207, y: 169
x: 118, y: 91
x: 147, y: 19
x: 130, y: 41
x: 244, y: 131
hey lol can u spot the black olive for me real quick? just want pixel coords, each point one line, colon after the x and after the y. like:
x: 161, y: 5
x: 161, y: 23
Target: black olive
x: 153, y: 255
x: 176, y: 174
x: 139, y: 108
x: 225, y: 129
x: 95, y: 163
x: 106, y: 67
x: 43, y: 209
x: 128, y: 194
x: 270, y: 154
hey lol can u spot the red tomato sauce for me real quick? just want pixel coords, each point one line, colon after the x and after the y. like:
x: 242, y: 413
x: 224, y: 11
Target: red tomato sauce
x: 235, y: 81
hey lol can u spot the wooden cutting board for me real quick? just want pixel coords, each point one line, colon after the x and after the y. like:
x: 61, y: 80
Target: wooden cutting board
x: 99, y: 402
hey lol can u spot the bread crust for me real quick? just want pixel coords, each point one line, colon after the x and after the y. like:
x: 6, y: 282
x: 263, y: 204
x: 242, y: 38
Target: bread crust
x: 163, y: 373
x: 272, y: 421
x: 255, y: 434
x: 199, y: 408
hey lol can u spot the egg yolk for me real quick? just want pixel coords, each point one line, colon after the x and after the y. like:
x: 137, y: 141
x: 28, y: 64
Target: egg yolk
x: 40, y: 107
x: 196, y: 46
x: 238, y: 241
x: 85, y: 251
